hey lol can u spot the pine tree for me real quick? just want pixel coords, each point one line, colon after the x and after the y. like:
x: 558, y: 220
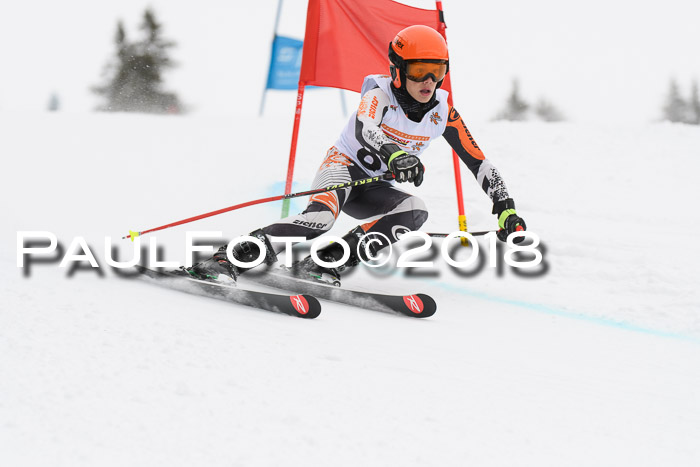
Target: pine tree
x: 546, y: 111
x: 694, y: 105
x: 676, y: 108
x: 516, y: 108
x: 134, y: 78
x: 54, y: 103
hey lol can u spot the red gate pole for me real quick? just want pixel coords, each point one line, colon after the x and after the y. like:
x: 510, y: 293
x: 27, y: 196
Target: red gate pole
x: 461, y: 216
x: 293, y: 149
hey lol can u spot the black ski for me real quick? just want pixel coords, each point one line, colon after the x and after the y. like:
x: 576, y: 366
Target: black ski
x: 302, y: 306
x: 415, y: 306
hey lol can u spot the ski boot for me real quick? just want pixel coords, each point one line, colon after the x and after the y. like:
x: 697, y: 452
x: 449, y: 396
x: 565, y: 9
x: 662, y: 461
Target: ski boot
x: 307, y: 268
x: 218, y: 268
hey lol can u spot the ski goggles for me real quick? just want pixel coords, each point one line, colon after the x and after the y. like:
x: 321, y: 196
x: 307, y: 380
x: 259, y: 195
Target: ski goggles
x: 420, y: 70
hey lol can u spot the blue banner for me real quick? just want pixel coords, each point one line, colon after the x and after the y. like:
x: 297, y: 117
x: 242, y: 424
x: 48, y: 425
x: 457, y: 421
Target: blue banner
x: 285, y: 63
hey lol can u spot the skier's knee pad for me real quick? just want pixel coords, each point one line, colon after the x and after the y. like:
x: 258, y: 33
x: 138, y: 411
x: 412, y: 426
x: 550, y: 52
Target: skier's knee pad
x: 419, y: 213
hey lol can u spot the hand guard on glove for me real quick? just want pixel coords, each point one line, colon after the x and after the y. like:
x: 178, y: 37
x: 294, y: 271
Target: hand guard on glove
x: 508, y: 220
x: 406, y: 168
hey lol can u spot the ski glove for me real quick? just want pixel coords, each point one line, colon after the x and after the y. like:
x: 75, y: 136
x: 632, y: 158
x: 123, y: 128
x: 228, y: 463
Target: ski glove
x: 508, y: 220
x: 406, y: 168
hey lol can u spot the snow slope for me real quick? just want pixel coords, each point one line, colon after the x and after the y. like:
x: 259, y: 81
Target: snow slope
x: 593, y: 361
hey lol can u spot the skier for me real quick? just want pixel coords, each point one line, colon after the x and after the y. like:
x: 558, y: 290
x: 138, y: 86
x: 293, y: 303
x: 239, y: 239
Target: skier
x: 398, y: 117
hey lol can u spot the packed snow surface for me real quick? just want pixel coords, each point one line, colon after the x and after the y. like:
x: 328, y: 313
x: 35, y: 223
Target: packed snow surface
x: 590, y: 359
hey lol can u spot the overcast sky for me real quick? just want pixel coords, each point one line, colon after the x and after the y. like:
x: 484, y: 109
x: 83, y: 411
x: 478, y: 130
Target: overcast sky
x: 608, y: 61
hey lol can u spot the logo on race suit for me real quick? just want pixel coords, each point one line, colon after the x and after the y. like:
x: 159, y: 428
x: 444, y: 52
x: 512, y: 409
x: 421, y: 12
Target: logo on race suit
x: 435, y: 118
x: 301, y: 305
x: 400, y: 142
x: 414, y: 303
x: 311, y: 225
x: 362, y: 109
x: 454, y: 118
x: 335, y: 157
x: 373, y: 107
x: 398, y: 230
x: 401, y: 138
x: 417, y: 147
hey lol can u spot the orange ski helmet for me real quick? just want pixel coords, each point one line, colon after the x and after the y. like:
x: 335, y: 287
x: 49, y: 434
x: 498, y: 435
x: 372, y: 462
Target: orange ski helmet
x: 416, y: 53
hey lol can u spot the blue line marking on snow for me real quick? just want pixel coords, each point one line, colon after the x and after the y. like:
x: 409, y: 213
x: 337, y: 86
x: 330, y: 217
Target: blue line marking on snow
x: 567, y: 314
x: 296, y: 204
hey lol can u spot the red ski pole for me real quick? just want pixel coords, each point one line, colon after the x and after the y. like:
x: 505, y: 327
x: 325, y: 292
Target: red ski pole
x: 387, y: 176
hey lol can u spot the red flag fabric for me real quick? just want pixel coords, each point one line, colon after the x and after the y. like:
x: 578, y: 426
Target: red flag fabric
x: 347, y: 40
